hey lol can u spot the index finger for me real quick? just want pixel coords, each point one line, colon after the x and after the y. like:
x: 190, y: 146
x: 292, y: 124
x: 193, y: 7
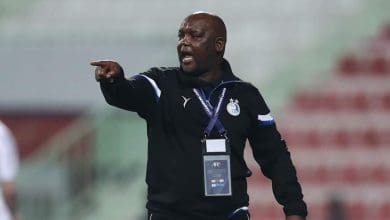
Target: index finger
x: 100, y: 63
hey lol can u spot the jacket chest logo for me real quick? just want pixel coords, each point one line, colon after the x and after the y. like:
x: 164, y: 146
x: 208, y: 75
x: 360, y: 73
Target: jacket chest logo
x: 233, y: 108
x: 185, y: 101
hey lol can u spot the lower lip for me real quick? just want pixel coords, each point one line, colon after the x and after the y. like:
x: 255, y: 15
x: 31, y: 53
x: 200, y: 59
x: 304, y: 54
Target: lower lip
x: 187, y: 60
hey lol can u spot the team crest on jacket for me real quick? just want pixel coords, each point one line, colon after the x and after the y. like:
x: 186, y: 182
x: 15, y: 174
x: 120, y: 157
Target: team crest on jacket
x: 233, y: 108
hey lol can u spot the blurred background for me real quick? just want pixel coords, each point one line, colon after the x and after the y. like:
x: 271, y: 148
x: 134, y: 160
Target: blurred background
x: 322, y: 66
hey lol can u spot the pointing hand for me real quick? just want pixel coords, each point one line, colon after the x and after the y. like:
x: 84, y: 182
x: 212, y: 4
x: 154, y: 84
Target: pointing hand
x: 107, y: 71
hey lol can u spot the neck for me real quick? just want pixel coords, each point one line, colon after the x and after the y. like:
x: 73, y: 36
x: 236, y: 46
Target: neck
x: 212, y: 76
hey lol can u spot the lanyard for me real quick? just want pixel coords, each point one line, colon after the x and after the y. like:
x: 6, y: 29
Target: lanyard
x: 213, y: 115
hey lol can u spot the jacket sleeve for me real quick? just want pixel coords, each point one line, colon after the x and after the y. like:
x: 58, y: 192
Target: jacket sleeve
x: 271, y: 152
x: 139, y: 93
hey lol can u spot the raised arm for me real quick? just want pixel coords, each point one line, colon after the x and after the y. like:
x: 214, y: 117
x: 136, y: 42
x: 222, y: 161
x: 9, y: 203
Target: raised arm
x: 134, y: 94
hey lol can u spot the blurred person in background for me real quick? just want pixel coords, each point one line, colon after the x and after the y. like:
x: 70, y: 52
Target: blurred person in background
x: 335, y: 208
x: 199, y: 116
x: 9, y: 164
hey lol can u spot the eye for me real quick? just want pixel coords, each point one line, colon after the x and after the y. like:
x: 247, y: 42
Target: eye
x: 196, y: 35
x: 180, y: 35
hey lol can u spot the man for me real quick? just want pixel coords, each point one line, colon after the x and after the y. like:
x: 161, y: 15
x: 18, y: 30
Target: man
x: 9, y: 163
x: 199, y: 116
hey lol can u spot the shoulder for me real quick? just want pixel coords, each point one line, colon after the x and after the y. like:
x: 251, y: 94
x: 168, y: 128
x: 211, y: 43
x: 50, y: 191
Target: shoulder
x: 3, y: 130
x: 161, y: 77
x: 5, y: 133
x: 161, y: 72
x: 252, y: 97
x: 247, y: 88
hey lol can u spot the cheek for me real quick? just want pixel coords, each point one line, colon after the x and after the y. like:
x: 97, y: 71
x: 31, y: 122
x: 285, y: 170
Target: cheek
x: 207, y: 54
x: 203, y: 50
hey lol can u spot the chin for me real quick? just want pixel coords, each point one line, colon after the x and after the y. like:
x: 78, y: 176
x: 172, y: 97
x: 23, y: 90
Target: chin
x: 188, y: 70
x: 191, y: 70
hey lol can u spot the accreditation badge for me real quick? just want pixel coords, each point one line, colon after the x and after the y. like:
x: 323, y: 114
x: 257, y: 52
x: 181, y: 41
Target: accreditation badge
x: 216, y: 168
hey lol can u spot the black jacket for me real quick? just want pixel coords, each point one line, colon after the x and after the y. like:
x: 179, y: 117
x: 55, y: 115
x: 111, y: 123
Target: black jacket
x: 174, y: 128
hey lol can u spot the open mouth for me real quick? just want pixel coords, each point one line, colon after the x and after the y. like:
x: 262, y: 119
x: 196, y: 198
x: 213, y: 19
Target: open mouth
x: 186, y: 59
x: 186, y: 56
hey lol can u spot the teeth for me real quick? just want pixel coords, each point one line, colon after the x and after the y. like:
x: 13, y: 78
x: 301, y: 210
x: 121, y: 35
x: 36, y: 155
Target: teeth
x: 187, y: 59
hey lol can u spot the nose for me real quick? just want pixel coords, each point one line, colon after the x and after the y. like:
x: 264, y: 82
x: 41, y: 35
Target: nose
x: 185, y: 41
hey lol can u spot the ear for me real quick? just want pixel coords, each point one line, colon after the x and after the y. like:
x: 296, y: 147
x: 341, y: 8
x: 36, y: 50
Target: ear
x: 219, y: 44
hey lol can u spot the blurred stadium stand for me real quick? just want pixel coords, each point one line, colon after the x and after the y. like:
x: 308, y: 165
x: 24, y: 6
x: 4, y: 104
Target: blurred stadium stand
x: 338, y: 131
x: 346, y: 128
x: 322, y: 66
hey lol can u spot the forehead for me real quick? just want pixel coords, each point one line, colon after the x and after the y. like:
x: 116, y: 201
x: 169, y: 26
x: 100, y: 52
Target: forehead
x: 196, y: 22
